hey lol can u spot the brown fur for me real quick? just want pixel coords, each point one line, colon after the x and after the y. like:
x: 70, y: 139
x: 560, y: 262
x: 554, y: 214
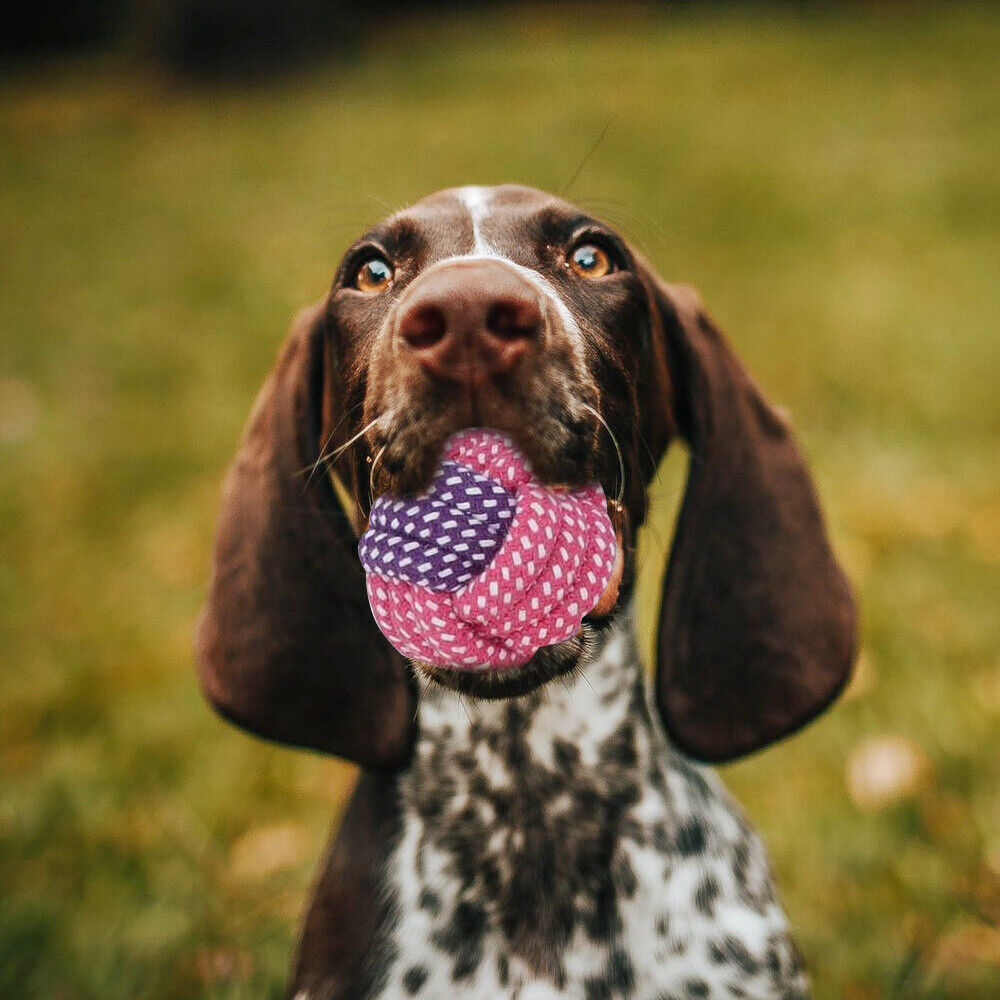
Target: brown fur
x: 757, y: 623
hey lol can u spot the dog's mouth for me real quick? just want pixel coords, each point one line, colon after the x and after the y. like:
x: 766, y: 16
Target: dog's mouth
x: 564, y: 456
x: 561, y: 447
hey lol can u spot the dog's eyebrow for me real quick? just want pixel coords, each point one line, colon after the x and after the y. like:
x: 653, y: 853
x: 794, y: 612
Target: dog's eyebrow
x: 580, y: 223
x: 397, y: 237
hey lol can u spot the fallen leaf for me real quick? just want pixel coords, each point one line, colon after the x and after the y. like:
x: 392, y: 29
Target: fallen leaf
x: 222, y: 965
x: 883, y: 770
x: 969, y: 942
x: 265, y: 850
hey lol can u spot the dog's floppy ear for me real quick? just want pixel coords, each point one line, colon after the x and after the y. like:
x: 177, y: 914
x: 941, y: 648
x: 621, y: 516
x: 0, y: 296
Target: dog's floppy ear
x: 287, y: 646
x: 756, y: 632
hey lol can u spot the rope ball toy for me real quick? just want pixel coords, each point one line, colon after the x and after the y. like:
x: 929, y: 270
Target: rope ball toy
x: 488, y: 565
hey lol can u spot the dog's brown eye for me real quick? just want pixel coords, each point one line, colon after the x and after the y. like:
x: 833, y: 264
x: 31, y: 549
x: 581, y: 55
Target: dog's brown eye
x: 590, y: 261
x: 374, y: 275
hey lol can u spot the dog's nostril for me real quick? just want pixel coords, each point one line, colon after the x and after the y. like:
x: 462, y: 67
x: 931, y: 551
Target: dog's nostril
x: 517, y: 319
x: 423, y: 327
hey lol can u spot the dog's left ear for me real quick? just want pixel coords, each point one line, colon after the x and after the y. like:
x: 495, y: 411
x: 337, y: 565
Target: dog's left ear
x: 287, y: 645
x: 757, y: 623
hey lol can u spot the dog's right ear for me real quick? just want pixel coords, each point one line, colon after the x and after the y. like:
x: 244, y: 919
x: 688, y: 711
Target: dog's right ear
x: 757, y: 622
x: 287, y: 646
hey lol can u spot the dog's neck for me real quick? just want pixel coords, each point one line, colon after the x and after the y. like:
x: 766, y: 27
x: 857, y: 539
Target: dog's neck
x: 558, y: 841
x: 519, y: 804
x: 580, y: 710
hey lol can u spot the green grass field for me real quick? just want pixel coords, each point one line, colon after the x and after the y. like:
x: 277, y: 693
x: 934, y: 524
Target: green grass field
x: 832, y: 186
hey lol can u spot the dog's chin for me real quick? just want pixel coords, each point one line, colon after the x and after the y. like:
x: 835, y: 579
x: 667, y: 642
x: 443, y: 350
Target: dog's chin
x: 546, y: 665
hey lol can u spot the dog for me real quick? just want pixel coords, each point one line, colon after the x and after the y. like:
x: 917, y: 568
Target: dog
x: 548, y: 831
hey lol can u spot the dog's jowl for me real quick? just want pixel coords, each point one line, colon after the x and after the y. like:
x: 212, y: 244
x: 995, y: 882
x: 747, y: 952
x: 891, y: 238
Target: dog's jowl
x: 545, y: 830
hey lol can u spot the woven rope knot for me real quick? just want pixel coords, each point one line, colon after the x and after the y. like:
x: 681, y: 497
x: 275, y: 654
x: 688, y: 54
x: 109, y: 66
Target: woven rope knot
x: 488, y: 565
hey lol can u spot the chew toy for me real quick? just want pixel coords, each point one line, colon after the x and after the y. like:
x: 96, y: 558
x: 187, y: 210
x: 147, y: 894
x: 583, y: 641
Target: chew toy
x: 488, y: 565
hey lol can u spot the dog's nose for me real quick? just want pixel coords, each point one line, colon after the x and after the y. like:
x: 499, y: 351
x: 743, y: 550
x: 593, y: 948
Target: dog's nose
x: 466, y: 321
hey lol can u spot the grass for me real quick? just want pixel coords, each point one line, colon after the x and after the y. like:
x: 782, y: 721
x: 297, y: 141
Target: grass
x: 828, y: 181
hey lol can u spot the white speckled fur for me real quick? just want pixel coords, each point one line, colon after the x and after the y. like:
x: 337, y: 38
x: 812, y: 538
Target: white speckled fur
x: 691, y: 916
x: 667, y: 940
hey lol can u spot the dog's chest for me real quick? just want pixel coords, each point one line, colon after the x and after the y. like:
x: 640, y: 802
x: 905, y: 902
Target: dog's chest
x: 556, y: 846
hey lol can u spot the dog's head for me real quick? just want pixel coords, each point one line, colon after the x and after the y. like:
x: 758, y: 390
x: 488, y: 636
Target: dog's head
x: 508, y: 308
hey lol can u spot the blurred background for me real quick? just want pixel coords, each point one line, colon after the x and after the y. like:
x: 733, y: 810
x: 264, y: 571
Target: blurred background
x: 177, y: 179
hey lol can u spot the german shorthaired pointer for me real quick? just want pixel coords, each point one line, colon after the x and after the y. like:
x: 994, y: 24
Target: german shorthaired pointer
x: 541, y: 832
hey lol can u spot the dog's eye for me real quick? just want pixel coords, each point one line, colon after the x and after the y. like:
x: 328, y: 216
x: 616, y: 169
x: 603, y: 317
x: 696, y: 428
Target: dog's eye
x: 374, y: 275
x: 589, y: 261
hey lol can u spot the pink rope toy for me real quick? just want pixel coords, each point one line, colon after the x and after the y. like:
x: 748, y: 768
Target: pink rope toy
x: 488, y: 565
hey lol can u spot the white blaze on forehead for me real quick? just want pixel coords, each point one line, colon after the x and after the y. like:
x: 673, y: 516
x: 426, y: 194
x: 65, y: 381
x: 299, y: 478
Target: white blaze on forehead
x: 476, y: 200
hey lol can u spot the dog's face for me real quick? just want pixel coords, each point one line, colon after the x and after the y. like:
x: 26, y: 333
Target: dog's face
x: 509, y: 308
x: 503, y: 308
x: 499, y: 307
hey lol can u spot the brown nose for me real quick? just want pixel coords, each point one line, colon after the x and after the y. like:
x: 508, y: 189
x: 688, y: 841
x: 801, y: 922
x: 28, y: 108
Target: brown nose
x: 469, y: 320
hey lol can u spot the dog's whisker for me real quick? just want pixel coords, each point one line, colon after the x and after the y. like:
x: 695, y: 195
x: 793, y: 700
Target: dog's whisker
x: 329, y: 438
x: 618, y: 450
x: 371, y: 474
x: 464, y: 707
x: 630, y: 228
x: 636, y: 212
x: 424, y: 683
x: 328, y: 456
x: 654, y: 467
x: 337, y: 452
x: 586, y: 157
